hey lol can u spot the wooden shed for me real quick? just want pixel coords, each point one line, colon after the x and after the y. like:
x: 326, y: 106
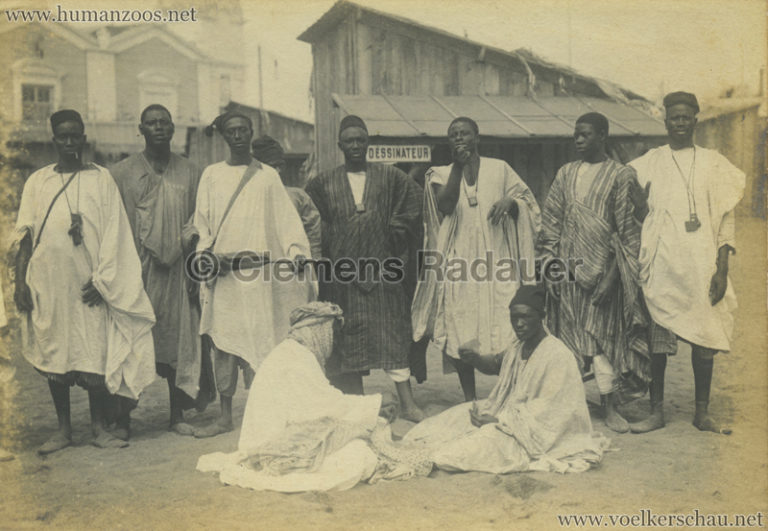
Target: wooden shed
x: 734, y: 127
x: 408, y: 81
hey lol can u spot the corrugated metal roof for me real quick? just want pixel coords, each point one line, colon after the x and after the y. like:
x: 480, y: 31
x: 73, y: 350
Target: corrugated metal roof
x: 500, y: 116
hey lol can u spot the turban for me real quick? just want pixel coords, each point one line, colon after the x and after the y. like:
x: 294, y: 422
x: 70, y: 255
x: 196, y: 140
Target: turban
x: 675, y: 98
x: 352, y: 121
x: 66, y: 115
x: 596, y: 120
x: 531, y: 296
x: 466, y: 120
x: 314, y: 313
x: 267, y: 150
x: 222, y: 119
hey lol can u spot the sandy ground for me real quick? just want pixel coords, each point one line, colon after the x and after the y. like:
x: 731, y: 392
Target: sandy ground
x: 154, y: 484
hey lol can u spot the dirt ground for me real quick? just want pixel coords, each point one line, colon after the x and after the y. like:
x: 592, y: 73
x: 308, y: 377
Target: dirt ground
x: 154, y: 484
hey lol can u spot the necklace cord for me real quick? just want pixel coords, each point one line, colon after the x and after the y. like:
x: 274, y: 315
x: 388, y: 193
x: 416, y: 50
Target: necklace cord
x: 690, y: 183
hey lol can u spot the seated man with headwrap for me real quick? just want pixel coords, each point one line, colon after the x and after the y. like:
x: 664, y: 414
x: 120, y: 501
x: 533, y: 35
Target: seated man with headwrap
x: 300, y: 433
x: 536, y: 416
x: 269, y: 151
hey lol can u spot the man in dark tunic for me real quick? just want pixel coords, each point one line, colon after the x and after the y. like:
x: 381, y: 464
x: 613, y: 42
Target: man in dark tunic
x: 159, y: 190
x: 369, y: 212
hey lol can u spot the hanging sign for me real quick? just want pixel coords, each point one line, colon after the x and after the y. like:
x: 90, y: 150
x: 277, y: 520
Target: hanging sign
x: 409, y: 153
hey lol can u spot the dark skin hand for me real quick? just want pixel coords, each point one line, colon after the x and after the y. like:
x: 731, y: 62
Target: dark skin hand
x: 480, y: 419
x: 506, y: 207
x: 719, y: 282
x: 22, y: 296
x: 90, y: 294
x: 463, y: 141
x: 299, y: 263
x: 603, y: 288
x: 639, y: 197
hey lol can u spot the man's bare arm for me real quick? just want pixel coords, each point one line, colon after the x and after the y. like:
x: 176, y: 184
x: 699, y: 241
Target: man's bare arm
x: 22, y: 296
x: 448, y: 195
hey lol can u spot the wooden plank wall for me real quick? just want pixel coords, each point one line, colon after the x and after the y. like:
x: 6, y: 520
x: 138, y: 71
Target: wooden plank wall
x: 740, y: 137
x: 374, y: 55
x: 395, y: 59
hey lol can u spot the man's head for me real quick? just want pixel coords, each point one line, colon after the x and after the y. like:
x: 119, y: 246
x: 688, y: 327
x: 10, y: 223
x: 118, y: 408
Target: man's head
x: 680, y: 118
x: 315, y: 325
x: 156, y: 125
x: 590, y: 134
x: 353, y: 138
x: 269, y: 151
x: 463, y: 132
x: 236, y: 129
x: 526, y: 311
x: 68, y: 134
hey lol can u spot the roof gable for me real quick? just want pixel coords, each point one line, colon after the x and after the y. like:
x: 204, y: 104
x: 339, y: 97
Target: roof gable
x: 137, y: 35
x: 63, y: 31
x: 343, y: 9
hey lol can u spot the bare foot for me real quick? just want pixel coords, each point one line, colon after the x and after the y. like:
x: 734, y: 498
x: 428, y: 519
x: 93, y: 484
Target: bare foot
x: 182, y: 428
x: 654, y: 421
x: 615, y: 421
x: 216, y: 428
x: 122, y: 433
x: 706, y: 423
x: 414, y: 414
x: 54, y: 444
x: 107, y: 440
x: 5, y: 455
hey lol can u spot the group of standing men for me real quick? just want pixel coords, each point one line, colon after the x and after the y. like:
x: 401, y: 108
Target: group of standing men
x: 103, y: 276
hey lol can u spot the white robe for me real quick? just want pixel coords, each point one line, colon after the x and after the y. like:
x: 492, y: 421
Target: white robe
x: 248, y: 318
x: 676, y: 265
x: 290, y: 387
x: 63, y: 334
x: 474, y: 314
x: 543, y: 423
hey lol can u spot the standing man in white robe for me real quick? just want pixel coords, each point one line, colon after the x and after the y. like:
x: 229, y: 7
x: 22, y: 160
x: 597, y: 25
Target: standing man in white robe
x: 249, y: 228
x: 86, y: 318
x: 687, y: 236
x: 476, y: 208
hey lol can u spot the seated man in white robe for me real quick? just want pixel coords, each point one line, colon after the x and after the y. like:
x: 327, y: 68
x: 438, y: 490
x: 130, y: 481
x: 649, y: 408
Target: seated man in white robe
x: 300, y: 433
x: 536, y: 416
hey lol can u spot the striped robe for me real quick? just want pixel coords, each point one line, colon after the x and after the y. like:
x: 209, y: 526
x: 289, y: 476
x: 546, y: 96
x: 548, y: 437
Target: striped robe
x: 377, y: 326
x: 592, y: 230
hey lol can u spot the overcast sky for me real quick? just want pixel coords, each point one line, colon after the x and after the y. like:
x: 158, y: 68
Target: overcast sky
x: 648, y: 46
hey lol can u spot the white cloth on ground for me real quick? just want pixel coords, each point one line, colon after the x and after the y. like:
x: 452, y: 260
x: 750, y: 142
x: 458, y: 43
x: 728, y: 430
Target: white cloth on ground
x: 291, y: 388
x: 247, y: 318
x: 63, y: 334
x: 676, y: 265
x: 543, y: 421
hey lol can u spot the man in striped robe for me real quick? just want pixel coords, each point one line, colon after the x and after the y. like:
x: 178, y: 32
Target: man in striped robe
x: 588, y: 216
x: 369, y: 212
